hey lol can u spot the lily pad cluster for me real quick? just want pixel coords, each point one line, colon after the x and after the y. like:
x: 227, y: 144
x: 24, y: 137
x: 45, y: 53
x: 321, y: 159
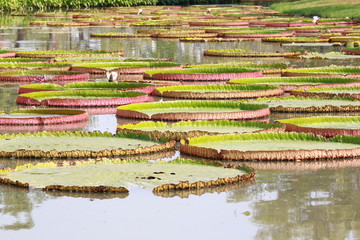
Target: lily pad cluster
x: 206, y: 123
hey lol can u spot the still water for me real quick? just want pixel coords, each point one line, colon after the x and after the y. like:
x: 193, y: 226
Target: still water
x: 308, y: 200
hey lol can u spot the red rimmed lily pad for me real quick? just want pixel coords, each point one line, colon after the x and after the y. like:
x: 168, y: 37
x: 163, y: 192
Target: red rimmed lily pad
x: 328, y: 126
x: 79, y: 145
x: 42, y: 117
x: 220, y: 91
x: 193, y: 110
x: 272, y: 146
x: 123, y: 86
x: 43, y: 76
x: 82, y: 98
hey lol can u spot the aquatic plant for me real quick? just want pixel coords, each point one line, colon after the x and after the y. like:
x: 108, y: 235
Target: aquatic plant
x: 193, y: 110
x: 218, y: 22
x: 43, y: 76
x: 272, y: 146
x: 199, y: 39
x: 42, y: 116
x: 20, y: 60
x: 65, y: 53
x: 310, y: 104
x: 257, y: 34
x: 266, y: 68
x: 243, y: 53
x: 351, y: 51
x: 327, y: 126
x: 350, y: 72
x: 186, y: 129
x: 295, y: 39
x: 122, y: 67
x: 119, y: 35
x: 345, y: 39
x: 329, y: 92
x: 6, y: 66
x: 290, y: 83
x: 220, y: 91
x: 78, y: 145
x: 157, y: 175
x: 87, y: 98
x: 202, y: 74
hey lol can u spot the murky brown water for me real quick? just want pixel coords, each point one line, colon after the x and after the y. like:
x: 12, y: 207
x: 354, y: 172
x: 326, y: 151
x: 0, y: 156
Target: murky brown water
x: 308, y: 200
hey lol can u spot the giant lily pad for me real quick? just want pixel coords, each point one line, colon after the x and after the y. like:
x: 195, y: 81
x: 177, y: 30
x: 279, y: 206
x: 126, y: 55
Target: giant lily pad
x: 350, y: 72
x: 329, y: 92
x: 266, y: 68
x: 123, y: 86
x: 122, y: 67
x: 106, y: 175
x: 218, y: 91
x: 243, y: 53
x: 186, y: 129
x: 78, y: 145
x: 64, y: 53
x: 257, y: 34
x: 310, y: 105
x: 203, y: 74
x: 272, y: 146
x: 88, y: 98
x: 289, y: 83
x: 193, y: 110
x: 295, y: 39
x: 12, y: 66
x: 42, y: 117
x: 43, y: 76
x: 327, y: 126
x: 329, y: 55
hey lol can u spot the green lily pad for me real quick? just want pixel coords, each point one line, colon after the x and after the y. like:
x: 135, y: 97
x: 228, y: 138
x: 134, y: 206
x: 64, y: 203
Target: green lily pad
x: 179, y: 174
x: 328, y: 126
x: 272, y: 146
x: 219, y: 91
x: 310, y: 104
x: 185, y: 129
x: 77, y: 145
x: 193, y: 110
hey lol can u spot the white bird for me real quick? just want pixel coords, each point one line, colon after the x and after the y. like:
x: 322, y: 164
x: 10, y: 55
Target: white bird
x: 112, y: 76
x: 140, y: 11
x: 315, y: 19
x: 207, y: 11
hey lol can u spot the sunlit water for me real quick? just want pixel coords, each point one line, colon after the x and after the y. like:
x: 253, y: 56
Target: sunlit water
x: 288, y: 200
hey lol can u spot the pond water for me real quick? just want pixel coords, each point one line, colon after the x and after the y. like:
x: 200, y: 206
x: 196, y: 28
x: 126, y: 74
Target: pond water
x: 304, y: 200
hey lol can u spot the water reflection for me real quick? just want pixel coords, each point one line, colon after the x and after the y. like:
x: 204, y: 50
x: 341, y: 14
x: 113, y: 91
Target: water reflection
x: 299, y: 206
x: 16, y: 206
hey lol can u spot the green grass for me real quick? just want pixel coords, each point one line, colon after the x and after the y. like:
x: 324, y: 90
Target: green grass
x: 323, y: 8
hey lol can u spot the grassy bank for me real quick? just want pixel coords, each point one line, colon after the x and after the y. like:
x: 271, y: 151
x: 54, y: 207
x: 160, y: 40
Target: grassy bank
x: 323, y: 8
